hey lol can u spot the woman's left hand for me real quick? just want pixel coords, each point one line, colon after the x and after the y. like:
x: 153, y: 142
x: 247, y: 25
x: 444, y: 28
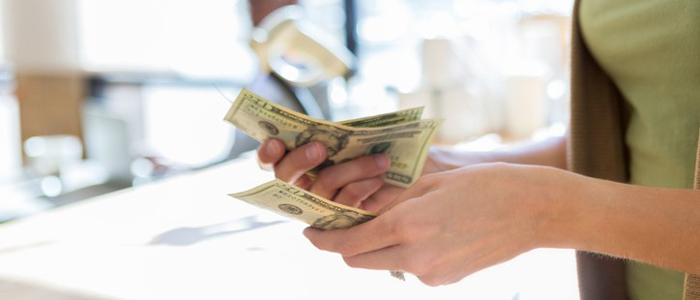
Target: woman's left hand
x: 451, y: 224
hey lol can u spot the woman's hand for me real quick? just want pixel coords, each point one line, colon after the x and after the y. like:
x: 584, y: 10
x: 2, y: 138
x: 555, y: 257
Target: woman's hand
x: 358, y: 183
x: 351, y: 183
x: 451, y: 224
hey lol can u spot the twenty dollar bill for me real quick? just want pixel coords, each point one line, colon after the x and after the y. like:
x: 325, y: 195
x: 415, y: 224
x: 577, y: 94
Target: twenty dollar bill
x: 293, y: 202
x: 401, y: 135
x: 296, y: 203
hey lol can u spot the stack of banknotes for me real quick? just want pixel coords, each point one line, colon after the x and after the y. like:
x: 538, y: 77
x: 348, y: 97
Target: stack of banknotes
x: 401, y: 135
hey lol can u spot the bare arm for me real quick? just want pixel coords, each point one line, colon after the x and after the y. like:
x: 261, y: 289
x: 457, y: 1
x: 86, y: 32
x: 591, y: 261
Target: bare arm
x: 652, y: 225
x: 360, y: 183
x: 550, y: 152
x: 451, y: 224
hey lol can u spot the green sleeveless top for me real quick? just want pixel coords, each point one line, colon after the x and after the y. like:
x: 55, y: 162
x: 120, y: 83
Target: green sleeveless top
x: 651, y: 50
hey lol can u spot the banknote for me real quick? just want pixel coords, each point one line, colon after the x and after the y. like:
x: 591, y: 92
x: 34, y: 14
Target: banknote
x: 406, y: 143
x: 296, y: 203
x: 293, y: 202
x: 388, y: 119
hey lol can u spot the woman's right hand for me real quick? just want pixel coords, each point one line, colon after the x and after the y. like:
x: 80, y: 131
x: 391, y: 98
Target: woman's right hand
x: 360, y: 182
x: 357, y: 183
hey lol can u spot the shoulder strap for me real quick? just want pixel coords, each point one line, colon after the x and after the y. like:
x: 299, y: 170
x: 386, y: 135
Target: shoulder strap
x: 596, y: 149
x: 692, y: 282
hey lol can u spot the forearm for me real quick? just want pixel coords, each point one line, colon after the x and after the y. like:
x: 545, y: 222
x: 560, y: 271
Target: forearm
x: 657, y: 226
x: 550, y: 152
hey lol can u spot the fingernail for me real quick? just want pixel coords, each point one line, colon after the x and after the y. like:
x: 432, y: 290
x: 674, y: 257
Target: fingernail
x: 382, y: 161
x: 313, y: 153
x: 272, y: 148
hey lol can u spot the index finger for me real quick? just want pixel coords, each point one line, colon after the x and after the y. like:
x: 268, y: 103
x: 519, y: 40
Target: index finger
x: 299, y: 161
x: 270, y: 152
x: 418, y: 189
x: 379, y: 233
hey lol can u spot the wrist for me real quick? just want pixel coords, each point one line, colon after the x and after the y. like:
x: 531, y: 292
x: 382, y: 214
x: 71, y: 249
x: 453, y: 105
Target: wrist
x: 567, y: 211
x: 445, y: 159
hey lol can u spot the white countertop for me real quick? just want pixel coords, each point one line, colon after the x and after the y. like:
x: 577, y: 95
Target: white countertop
x: 184, y: 238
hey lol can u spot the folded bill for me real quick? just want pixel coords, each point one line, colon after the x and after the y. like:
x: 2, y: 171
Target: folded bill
x: 293, y: 202
x: 296, y: 203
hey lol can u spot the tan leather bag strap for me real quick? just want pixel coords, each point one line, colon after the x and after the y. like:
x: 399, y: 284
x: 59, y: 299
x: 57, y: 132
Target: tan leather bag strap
x: 692, y: 282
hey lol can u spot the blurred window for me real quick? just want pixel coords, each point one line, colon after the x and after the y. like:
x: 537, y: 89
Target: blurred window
x: 2, y: 32
x: 10, y: 157
x: 201, y: 37
x: 329, y: 15
x: 389, y: 32
x: 497, y: 40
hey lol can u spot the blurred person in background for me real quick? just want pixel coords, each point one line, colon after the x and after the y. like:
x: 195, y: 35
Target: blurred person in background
x: 259, y: 9
x: 618, y: 184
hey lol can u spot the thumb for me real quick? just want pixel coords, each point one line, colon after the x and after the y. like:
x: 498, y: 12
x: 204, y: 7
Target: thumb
x: 416, y: 190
